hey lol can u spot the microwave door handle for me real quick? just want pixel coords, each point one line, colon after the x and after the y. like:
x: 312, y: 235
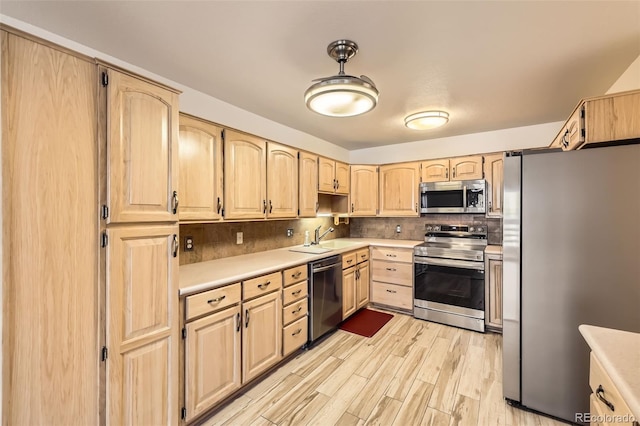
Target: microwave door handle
x: 464, y: 197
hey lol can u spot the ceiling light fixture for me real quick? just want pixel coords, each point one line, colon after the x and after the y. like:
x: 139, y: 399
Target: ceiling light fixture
x: 426, y: 120
x: 342, y: 95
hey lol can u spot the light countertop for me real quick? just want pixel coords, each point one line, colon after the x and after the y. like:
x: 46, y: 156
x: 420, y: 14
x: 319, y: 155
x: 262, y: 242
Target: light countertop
x: 619, y: 353
x: 201, y: 276
x: 493, y: 250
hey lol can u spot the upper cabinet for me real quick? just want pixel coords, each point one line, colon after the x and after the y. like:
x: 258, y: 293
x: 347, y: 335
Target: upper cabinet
x: 200, y: 169
x: 399, y: 189
x: 308, y: 184
x: 609, y: 118
x: 452, y: 169
x: 333, y: 176
x: 493, y: 172
x: 282, y: 181
x: 364, y: 190
x: 244, y: 176
x: 142, y: 138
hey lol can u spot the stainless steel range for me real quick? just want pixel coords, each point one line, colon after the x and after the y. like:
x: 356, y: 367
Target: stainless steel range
x: 449, y: 276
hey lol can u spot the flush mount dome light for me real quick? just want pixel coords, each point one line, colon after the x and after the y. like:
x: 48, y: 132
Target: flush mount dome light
x: 426, y: 120
x: 342, y: 95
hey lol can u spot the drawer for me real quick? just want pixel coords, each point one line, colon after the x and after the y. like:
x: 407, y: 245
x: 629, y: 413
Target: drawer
x: 295, y: 311
x: 295, y: 275
x: 349, y: 260
x: 294, y: 336
x: 598, y: 377
x: 362, y: 255
x: 393, y: 295
x: 394, y: 254
x: 392, y: 272
x: 294, y: 292
x: 262, y: 285
x: 212, y: 300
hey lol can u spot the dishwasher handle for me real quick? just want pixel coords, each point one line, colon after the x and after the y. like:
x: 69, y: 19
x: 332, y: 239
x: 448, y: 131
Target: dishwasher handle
x: 325, y: 268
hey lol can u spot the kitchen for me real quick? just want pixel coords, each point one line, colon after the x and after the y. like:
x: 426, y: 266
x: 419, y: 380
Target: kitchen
x: 215, y: 241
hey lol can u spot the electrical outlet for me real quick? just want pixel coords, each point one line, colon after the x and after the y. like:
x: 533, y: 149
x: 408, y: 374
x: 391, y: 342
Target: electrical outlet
x: 188, y: 243
x: 239, y: 238
x: 289, y: 232
x: 398, y: 229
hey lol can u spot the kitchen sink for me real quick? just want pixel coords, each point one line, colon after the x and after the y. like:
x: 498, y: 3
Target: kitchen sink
x: 310, y: 249
x: 337, y: 244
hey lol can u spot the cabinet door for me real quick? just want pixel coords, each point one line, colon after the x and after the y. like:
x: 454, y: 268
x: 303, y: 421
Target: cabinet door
x: 612, y: 118
x: 142, y: 325
x: 435, y: 171
x: 362, y: 288
x: 342, y: 178
x: 326, y: 175
x: 200, y: 169
x: 244, y: 176
x: 348, y: 292
x: 399, y: 189
x: 262, y: 335
x: 212, y: 360
x: 495, y: 292
x: 49, y: 236
x: 308, y: 181
x: 282, y: 181
x: 466, y: 168
x: 493, y: 173
x: 364, y: 190
x: 142, y: 138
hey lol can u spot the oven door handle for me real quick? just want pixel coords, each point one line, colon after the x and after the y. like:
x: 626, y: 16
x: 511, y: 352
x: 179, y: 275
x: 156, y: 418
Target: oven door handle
x: 463, y: 264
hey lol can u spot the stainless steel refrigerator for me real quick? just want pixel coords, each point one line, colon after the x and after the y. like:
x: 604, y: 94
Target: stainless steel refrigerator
x: 571, y: 230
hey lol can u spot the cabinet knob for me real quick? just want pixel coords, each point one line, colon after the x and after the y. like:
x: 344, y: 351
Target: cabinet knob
x: 263, y: 286
x: 599, y: 393
x: 175, y: 202
x: 175, y: 245
x: 217, y: 299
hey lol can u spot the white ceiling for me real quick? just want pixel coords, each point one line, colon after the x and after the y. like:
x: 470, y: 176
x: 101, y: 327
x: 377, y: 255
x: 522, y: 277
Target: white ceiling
x: 491, y: 65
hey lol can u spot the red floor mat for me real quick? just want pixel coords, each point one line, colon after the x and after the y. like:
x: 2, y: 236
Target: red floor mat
x: 366, y: 322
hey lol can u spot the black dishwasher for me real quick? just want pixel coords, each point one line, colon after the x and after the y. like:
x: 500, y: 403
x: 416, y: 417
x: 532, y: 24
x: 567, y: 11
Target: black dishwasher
x: 325, y: 301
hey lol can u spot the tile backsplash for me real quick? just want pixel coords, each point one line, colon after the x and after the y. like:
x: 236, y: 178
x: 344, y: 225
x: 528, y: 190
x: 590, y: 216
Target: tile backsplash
x: 412, y: 228
x: 218, y: 240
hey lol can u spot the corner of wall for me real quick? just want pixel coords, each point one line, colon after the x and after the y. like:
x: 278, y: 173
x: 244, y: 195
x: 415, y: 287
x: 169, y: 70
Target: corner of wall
x: 629, y: 80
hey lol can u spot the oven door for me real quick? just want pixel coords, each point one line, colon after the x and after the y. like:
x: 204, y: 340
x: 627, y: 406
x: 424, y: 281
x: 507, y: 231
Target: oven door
x: 448, y: 285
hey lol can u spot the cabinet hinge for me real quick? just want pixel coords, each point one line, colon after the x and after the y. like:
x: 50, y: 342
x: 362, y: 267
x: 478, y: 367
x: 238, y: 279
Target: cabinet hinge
x: 104, y: 213
x: 104, y: 239
x: 105, y: 79
x: 183, y: 413
x: 104, y: 354
x: 184, y: 332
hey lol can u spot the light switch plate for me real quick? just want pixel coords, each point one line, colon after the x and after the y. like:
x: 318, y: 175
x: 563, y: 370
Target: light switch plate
x: 398, y: 229
x: 289, y: 232
x: 239, y: 238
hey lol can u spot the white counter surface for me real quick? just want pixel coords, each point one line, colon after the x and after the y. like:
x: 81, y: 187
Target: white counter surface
x: 197, y: 277
x: 619, y: 353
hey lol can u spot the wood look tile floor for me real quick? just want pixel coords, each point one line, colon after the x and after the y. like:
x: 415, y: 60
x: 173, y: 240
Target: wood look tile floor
x: 412, y: 372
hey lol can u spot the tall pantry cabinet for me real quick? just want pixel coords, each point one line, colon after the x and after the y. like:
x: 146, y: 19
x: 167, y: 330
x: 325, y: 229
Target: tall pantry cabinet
x: 90, y: 321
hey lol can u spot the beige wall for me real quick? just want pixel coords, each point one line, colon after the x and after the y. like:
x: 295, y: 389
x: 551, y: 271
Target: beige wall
x: 629, y: 80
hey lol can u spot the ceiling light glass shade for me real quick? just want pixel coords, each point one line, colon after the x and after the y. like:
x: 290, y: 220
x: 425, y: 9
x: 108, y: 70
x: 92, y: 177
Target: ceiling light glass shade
x: 341, y: 96
x: 426, y: 120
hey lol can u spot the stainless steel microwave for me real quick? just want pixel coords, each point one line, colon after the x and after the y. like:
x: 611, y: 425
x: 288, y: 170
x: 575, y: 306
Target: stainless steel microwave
x: 465, y: 196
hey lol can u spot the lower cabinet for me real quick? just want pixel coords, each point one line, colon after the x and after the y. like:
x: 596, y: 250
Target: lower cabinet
x: 392, y: 277
x: 355, y: 281
x: 261, y: 336
x: 493, y: 291
x: 348, y: 292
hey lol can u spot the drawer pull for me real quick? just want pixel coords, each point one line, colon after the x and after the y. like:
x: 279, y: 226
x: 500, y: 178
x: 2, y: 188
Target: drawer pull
x: 599, y: 393
x: 296, y: 332
x: 238, y: 322
x: 217, y: 299
x: 391, y: 255
x: 296, y: 275
x: 297, y: 310
x: 297, y: 292
x: 246, y: 318
x: 263, y: 286
x: 363, y: 256
x: 391, y: 269
x: 391, y: 291
x: 350, y: 260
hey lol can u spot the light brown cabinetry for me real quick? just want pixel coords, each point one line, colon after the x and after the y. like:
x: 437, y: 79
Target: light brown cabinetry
x: 493, y: 291
x: 50, y: 244
x: 494, y: 175
x: 606, y: 401
x: 200, y: 169
x: 602, y: 119
x: 364, y: 190
x: 363, y: 276
x: 355, y: 281
x: 282, y: 181
x: 142, y: 139
x: 333, y: 176
x: 294, y: 310
x: 245, y: 183
x: 399, y: 189
x: 452, y: 169
x: 348, y: 292
x: 392, y: 277
x: 308, y: 184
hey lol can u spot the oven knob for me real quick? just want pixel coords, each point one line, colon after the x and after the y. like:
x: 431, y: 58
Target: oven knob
x: 471, y: 229
x: 479, y: 229
x: 429, y: 228
x: 436, y: 228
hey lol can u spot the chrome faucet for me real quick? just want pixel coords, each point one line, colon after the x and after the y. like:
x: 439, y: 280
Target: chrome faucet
x: 318, y: 237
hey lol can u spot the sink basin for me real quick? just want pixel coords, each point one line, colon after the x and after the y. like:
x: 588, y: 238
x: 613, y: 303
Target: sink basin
x: 310, y: 249
x: 337, y: 244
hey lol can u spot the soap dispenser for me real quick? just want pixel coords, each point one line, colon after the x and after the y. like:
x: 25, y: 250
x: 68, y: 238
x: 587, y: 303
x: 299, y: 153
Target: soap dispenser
x: 306, y: 239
